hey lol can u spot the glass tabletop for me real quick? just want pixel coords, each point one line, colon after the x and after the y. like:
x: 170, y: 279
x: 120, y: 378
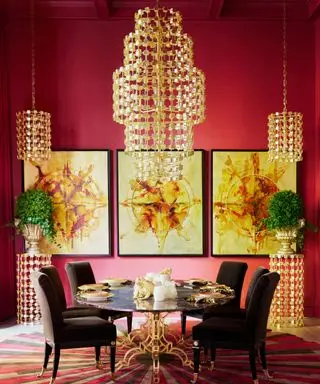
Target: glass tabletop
x: 122, y: 300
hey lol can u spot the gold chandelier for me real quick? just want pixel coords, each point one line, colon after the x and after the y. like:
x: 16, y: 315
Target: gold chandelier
x: 285, y: 128
x: 158, y: 94
x: 33, y: 127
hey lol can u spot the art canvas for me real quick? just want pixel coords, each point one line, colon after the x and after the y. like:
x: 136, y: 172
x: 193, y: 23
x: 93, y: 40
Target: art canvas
x: 78, y: 182
x: 157, y: 219
x: 242, y: 183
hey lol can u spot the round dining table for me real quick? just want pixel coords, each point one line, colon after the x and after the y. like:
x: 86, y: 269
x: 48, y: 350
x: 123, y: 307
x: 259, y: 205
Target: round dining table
x: 153, y: 337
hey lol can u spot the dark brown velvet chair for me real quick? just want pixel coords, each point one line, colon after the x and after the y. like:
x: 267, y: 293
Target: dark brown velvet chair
x: 232, y: 274
x: 248, y: 333
x: 234, y: 310
x: 61, y: 333
x: 80, y: 273
x: 74, y: 311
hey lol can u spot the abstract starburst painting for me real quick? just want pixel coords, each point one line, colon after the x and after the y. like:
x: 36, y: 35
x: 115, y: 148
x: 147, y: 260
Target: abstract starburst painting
x: 78, y: 182
x: 242, y: 184
x: 156, y: 218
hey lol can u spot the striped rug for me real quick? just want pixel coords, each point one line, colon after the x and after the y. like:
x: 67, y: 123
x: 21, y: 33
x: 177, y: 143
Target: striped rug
x: 291, y: 361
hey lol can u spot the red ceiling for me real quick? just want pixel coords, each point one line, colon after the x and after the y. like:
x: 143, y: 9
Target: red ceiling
x: 190, y: 9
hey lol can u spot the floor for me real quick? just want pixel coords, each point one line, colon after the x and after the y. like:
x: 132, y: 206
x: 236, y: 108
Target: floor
x: 310, y: 332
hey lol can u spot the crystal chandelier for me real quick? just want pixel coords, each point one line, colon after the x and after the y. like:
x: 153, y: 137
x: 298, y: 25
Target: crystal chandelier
x: 158, y: 94
x: 33, y: 127
x: 285, y: 128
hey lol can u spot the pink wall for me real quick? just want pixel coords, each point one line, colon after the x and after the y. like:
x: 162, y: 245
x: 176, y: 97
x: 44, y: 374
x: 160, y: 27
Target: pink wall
x: 242, y: 63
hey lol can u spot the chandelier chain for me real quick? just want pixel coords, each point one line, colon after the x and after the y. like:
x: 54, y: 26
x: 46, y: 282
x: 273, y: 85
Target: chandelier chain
x: 159, y: 83
x: 284, y: 57
x: 33, y: 55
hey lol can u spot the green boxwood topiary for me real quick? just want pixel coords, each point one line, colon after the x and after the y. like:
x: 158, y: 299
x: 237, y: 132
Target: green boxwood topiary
x: 285, y: 209
x: 35, y: 206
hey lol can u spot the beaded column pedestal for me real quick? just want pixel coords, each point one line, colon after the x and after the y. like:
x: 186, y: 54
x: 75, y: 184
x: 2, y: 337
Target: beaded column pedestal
x: 28, y: 311
x: 287, y: 309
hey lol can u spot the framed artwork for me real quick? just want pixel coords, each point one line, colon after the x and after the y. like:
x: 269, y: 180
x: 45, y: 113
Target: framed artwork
x: 242, y: 183
x: 79, y: 183
x: 159, y: 219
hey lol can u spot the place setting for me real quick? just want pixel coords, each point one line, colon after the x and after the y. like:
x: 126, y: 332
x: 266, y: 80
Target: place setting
x: 94, y: 292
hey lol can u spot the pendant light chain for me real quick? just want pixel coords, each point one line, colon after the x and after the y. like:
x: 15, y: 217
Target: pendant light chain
x: 284, y: 57
x: 33, y: 56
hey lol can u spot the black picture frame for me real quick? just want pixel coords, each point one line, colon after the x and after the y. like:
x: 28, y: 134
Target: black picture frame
x: 241, y: 183
x: 88, y: 210
x: 136, y: 238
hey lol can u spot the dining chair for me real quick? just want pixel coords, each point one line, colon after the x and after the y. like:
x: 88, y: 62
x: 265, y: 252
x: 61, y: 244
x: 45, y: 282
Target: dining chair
x: 80, y: 273
x: 232, y: 274
x: 233, y: 310
x: 248, y: 333
x: 68, y: 333
x: 67, y: 312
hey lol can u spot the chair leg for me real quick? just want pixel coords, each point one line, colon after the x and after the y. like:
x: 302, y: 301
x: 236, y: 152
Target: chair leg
x: 129, y: 322
x: 205, y: 355
x: 262, y: 351
x: 113, y: 358
x: 183, y: 324
x: 98, y: 361
x: 196, y: 361
x: 47, y: 353
x: 213, y: 356
x: 55, y: 363
x: 252, y: 358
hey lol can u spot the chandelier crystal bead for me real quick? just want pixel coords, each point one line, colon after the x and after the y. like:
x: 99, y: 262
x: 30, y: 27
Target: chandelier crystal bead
x: 158, y: 94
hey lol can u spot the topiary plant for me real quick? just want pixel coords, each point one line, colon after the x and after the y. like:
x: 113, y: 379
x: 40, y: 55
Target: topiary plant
x: 286, y: 210
x: 35, y: 206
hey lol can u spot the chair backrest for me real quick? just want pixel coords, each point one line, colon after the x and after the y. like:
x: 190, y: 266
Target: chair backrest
x: 79, y: 273
x: 259, y: 305
x: 254, y: 279
x: 50, y: 307
x: 232, y: 273
x: 52, y: 272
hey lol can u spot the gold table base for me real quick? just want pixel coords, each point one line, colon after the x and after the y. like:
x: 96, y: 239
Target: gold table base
x: 151, y: 339
x: 28, y: 311
x: 287, y: 309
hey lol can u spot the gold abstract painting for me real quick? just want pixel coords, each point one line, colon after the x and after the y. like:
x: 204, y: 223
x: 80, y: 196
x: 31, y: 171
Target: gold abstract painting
x: 157, y: 218
x: 242, y: 183
x: 78, y: 182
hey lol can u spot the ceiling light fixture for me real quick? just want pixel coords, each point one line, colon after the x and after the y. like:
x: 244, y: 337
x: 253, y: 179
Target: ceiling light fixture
x: 285, y: 128
x: 158, y: 94
x: 33, y: 127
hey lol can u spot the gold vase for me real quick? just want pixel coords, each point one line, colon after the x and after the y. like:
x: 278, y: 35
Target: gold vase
x: 32, y: 234
x: 286, y: 236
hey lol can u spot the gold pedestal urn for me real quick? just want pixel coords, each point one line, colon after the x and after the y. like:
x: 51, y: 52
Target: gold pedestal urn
x: 28, y: 311
x: 287, y: 309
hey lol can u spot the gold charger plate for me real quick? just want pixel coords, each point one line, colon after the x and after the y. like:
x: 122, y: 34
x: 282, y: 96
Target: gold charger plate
x: 96, y: 295
x: 114, y: 281
x: 196, y: 281
x: 91, y: 287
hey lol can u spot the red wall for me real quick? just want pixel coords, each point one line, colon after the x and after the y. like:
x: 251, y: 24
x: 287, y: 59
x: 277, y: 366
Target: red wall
x: 243, y: 66
x: 317, y: 173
